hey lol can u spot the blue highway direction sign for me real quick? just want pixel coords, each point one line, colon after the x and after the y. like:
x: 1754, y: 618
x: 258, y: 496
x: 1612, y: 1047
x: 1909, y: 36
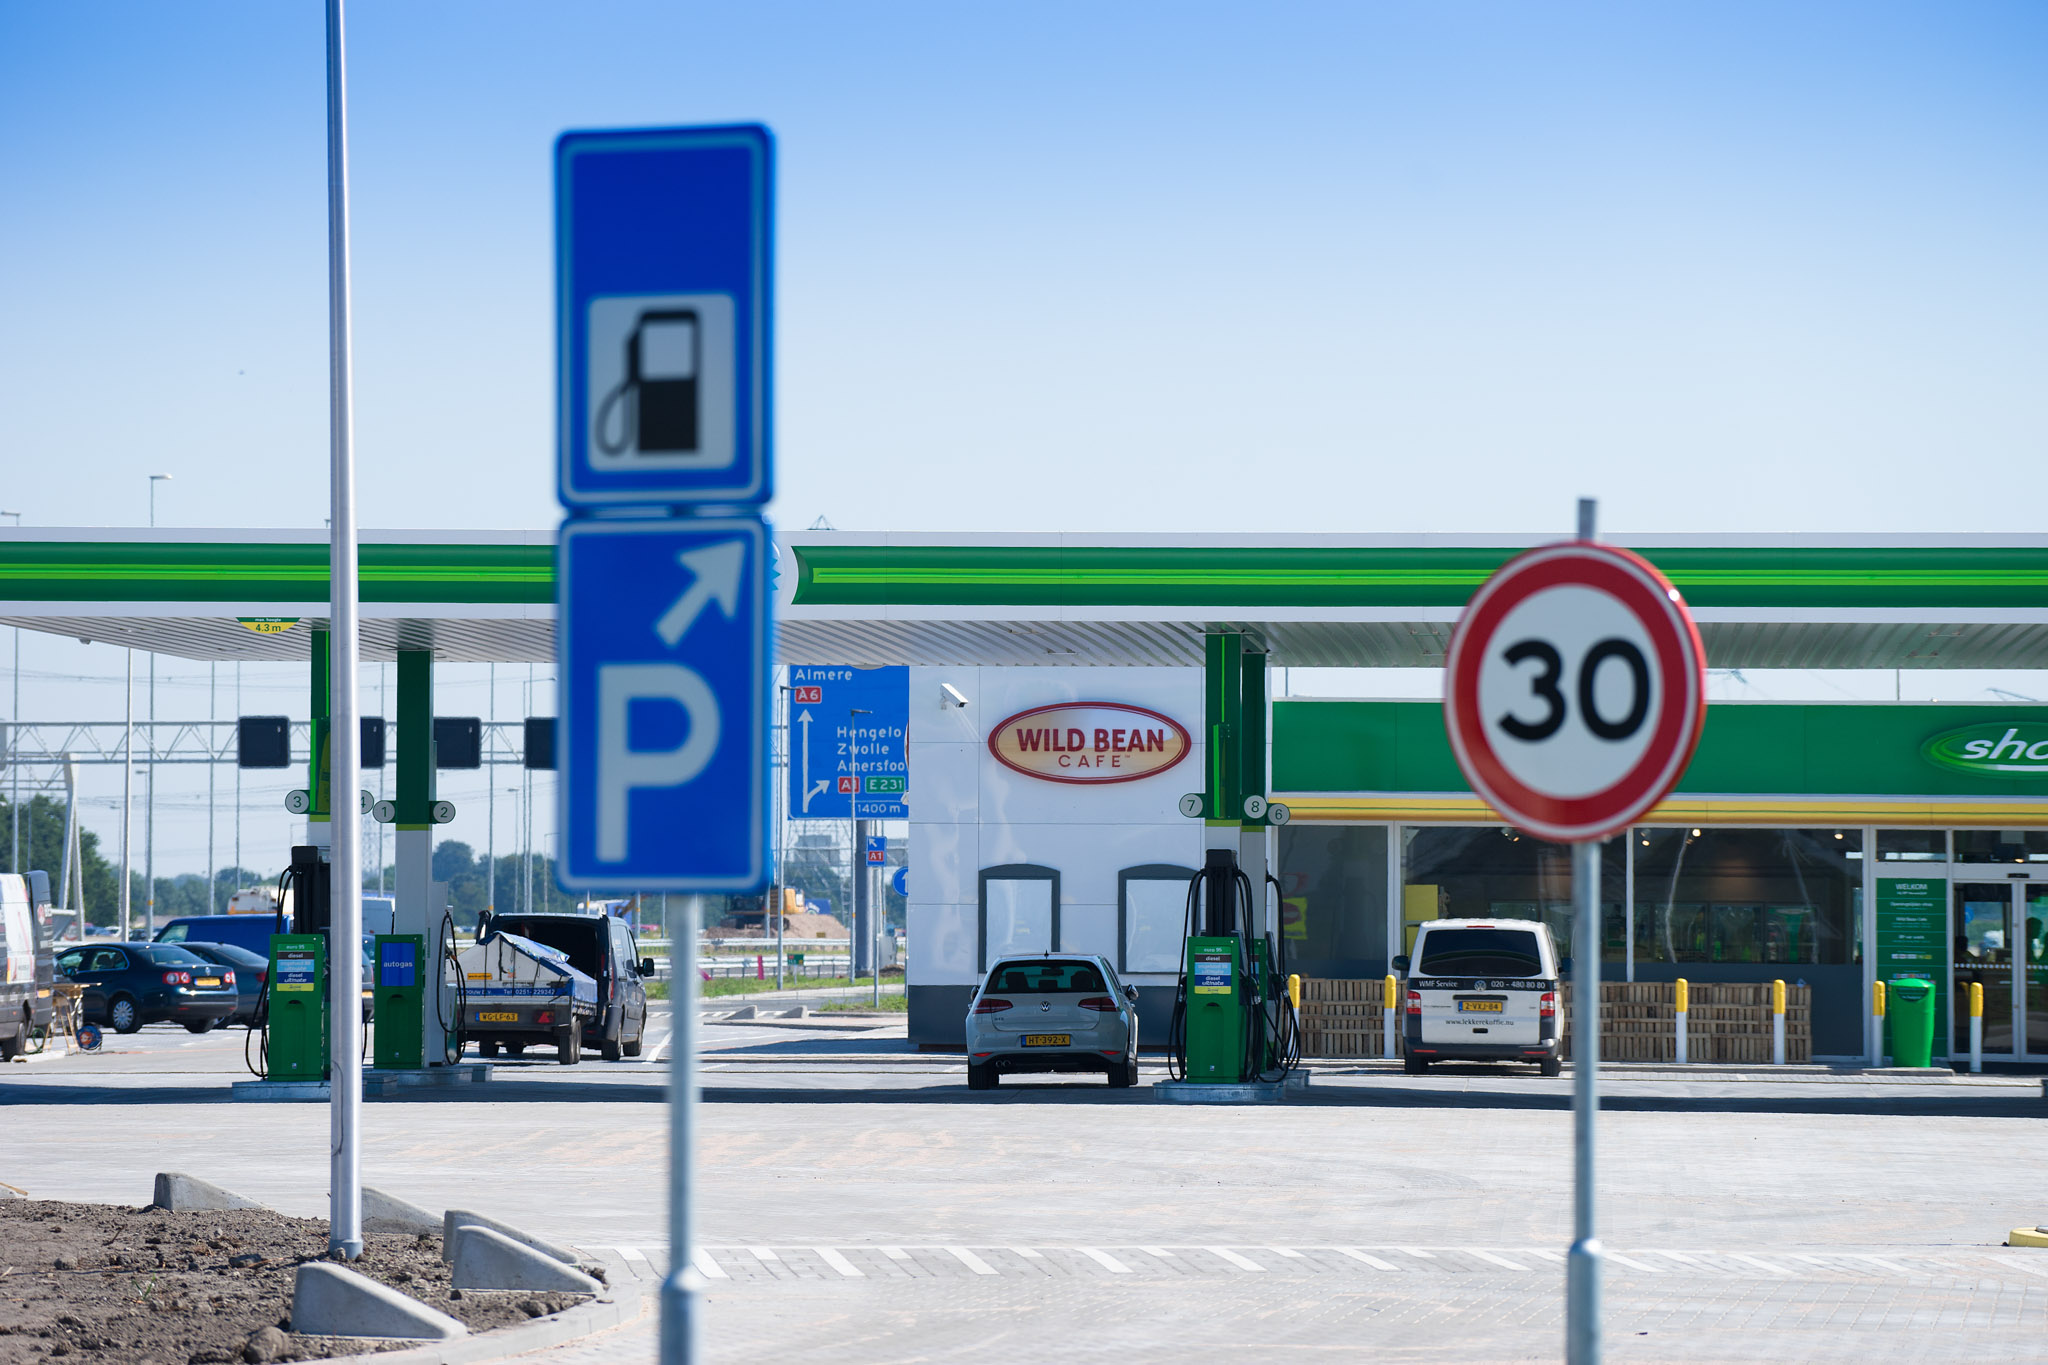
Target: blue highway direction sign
x: 664, y: 319
x: 846, y: 729
x: 664, y: 704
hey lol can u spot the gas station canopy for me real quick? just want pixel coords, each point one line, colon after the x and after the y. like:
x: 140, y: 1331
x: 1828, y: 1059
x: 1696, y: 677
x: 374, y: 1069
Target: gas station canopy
x: 969, y: 599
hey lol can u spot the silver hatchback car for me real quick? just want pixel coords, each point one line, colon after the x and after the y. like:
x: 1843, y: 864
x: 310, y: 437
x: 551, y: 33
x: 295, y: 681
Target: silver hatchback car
x: 1052, y: 1012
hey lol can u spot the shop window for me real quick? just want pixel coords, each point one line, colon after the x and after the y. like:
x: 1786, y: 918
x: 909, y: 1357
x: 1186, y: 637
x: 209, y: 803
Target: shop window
x: 1020, y: 911
x: 1333, y: 899
x: 1748, y: 895
x: 2002, y: 846
x: 1912, y: 845
x: 1151, y: 916
x: 1489, y: 872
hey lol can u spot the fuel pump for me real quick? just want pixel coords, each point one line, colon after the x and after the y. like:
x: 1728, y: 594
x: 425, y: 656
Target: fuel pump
x: 1232, y: 1019
x: 294, y: 1016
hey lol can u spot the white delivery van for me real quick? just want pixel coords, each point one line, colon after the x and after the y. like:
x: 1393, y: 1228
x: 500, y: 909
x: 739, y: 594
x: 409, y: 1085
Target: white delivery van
x: 1481, y: 991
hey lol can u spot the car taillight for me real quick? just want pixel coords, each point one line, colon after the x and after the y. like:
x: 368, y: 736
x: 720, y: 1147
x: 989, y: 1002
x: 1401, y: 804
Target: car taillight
x: 1101, y: 1004
x: 1548, y: 1005
x: 1415, y: 1002
x: 991, y: 1005
x: 263, y: 976
x: 177, y: 978
x: 227, y: 978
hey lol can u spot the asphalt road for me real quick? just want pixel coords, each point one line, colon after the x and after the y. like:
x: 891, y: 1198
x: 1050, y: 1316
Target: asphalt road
x: 859, y: 1204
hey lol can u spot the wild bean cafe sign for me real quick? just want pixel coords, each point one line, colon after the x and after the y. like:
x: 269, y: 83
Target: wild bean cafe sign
x: 1089, y: 741
x: 1999, y: 749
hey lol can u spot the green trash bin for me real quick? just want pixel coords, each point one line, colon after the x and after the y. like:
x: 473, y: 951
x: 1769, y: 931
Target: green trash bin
x: 1909, y: 1015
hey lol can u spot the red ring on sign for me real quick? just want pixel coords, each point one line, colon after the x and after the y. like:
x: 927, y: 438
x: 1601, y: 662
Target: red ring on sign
x: 1681, y: 711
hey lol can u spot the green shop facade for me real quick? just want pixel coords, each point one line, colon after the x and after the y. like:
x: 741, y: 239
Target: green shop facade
x: 1835, y: 845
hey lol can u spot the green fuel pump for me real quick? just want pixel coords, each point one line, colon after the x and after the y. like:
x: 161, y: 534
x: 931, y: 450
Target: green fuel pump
x: 296, y: 1048
x: 1232, y: 1019
x: 400, y: 993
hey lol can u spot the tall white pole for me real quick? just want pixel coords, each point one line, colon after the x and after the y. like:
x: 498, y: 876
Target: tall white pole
x: 127, y: 790
x: 238, y: 775
x: 212, y: 713
x: 679, y: 1292
x: 345, y: 970
x: 491, y: 809
x: 149, y: 794
x: 1582, y: 1268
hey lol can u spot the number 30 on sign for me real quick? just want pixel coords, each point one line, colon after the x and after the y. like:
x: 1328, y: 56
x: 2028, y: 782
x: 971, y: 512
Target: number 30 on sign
x: 1575, y: 690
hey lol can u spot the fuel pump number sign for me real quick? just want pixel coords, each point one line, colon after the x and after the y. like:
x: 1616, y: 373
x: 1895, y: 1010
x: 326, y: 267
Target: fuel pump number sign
x: 1575, y: 690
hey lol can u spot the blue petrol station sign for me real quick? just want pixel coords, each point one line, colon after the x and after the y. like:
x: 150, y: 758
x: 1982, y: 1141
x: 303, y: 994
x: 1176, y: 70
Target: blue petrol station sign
x: 664, y: 697
x: 664, y: 315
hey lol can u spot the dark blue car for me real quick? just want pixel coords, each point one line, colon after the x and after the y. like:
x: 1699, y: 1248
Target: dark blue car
x: 131, y: 984
x: 251, y: 971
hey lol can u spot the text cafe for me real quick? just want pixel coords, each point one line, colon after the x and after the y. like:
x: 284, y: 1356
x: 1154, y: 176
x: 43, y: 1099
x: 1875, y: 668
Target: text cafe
x: 1825, y: 845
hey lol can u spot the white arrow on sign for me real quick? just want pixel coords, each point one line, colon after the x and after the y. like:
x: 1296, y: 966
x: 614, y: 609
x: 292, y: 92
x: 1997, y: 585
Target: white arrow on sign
x: 804, y: 719
x: 717, y: 569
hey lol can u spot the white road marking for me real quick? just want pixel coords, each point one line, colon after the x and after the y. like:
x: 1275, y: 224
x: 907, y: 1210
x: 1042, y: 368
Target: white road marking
x: 1241, y: 1262
x: 1881, y: 1262
x: 1285, y: 1251
x: 1105, y: 1260
x: 896, y: 1253
x: 763, y: 1254
x: 1028, y: 1254
x: 1620, y: 1259
x: 1760, y: 1265
x: 1546, y: 1253
x: 632, y: 1254
x: 840, y: 1263
x: 970, y: 1260
x: 1161, y: 1252
x: 1375, y: 1262
x: 708, y: 1268
x: 2017, y: 1263
x: 1679, y: 1256
x: 1417, y: 1251
x: 1504, y: 1261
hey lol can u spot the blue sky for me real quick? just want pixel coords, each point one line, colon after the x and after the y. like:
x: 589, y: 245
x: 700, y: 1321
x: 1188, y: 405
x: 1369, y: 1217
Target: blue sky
x: 1147, y: 267
x: 1062, y: 266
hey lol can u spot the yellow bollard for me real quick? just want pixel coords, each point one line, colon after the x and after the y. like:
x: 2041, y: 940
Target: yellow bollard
x: 1294, y: 992
x: 1877, y: 1023
x: 1777, y: 1023
x: 1681, y: 998
x: 1777, y: 997
x: 1976, y: 1026
x: 1387, y: 1016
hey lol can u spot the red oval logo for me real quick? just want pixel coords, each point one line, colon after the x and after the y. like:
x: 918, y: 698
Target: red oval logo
x: 1089, y: 741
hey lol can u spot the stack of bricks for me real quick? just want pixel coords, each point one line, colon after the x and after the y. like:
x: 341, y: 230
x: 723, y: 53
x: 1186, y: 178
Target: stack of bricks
x: 1726, y: 1022
x: 1341, y: 1018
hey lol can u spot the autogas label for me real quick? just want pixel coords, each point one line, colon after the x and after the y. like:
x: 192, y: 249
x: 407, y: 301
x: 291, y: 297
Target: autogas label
x: 1212, y: 972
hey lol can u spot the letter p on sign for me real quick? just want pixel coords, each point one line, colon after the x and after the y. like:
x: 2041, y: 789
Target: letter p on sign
x: 622, y: 769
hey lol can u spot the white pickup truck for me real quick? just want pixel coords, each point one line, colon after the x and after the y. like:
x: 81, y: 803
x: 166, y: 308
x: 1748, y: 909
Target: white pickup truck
x: 1481, y: 991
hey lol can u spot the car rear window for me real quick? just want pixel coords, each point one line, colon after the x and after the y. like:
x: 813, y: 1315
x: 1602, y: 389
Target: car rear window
x: 163, y: 955
x: 239, y: 956
x: 1480, y: 952
x: 582, y: 939
x: 1045, y: 978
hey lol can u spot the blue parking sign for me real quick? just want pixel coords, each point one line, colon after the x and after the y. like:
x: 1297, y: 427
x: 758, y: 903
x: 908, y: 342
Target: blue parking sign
x: 663, y: 648
x: 664, y: 315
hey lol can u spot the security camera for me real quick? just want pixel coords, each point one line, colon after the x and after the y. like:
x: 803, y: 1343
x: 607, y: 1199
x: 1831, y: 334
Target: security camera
x: 953, y: 695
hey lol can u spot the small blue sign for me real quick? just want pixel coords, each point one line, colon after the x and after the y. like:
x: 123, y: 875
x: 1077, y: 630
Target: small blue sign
x: 847, y: 728
x: 899, y: 881
x: 663, y: 650
x: 664, y: 320
x: 878, y: 849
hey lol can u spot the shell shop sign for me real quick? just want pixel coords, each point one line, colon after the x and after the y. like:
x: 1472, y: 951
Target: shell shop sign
x: 1090, y: 741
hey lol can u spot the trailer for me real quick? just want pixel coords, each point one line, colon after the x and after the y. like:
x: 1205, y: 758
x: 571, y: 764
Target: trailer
x: 516, y: 992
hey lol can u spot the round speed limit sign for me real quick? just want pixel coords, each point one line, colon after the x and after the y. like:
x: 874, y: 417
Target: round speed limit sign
x: 1576, y: 690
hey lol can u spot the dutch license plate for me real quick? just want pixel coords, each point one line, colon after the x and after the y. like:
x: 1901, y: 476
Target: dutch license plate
x: 1479, y: 1006
x: 1048, y: 1040
x: 209, y: 981
x: 496, y: 1017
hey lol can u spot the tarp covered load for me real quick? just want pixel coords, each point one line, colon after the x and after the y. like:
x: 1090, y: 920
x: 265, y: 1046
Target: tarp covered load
x: 505, y: 966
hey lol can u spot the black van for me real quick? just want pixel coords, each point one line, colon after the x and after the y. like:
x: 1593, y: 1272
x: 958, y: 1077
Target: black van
x: 602, y: 949
x: 25, y: 960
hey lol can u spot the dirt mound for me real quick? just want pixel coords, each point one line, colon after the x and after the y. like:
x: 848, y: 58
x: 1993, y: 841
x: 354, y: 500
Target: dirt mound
x: 97, y: 1284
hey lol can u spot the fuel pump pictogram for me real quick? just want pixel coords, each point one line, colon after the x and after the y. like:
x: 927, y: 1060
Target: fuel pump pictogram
x: 654, y: 408
x: 660, y: 380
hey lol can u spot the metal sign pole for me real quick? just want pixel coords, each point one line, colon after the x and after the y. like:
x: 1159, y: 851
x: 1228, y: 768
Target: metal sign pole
x: 1582, y: 1309
x: 345, y: 970
x: 679, y: 1292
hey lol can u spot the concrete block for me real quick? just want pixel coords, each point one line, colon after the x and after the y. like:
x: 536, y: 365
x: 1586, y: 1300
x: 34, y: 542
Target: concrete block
x: 487, y: 1259
x: 462, y: 1218
x: 388, y: 1213
x: 329, y: 1300
x: 188, y: 1193
x: 798, y: 1013
x: 744, y: 1012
